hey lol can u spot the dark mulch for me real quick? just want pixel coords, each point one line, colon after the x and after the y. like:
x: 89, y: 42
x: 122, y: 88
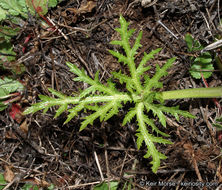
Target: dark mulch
x: 55, y: 153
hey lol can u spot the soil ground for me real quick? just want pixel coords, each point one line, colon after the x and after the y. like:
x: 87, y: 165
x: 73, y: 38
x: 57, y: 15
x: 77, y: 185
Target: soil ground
x: 52, y: 153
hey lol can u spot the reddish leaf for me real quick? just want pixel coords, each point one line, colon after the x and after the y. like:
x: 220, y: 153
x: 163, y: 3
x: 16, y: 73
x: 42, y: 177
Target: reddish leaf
x: 16, y: 113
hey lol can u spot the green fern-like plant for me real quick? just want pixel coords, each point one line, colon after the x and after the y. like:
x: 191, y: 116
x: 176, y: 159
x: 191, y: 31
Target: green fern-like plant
x: 104, y: 100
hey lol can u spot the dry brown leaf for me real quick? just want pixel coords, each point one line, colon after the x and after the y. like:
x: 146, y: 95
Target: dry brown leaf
x: 211, y: 165
x: 10, y: 135
x: 84, y: 8
x: 219, y: 175
x: 41, y: 182
x: 8, y: 174
x: 24, y: 127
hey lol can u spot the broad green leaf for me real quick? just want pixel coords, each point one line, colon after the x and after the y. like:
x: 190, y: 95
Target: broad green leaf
x: 13, y: 8
x: 10, y: 85
x: 3, y: 93
x: 2, y: 181
x: 202, y: 66
x: 29, y: 186
x: 37, y: 7
x: 7, y: 32
x: 189, y: 41
x: 218, y: 123
x: 40, y: 7
x: 6, y: 48
x: 192, y: 44
x: 51, y: 187
x: 52, y: 3
x: 3, y: 13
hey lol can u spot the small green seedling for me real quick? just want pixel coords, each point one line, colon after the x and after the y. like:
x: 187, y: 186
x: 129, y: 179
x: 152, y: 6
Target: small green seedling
x: 112, y: 185
x: 29, y: 186
x: 104, y: 100
x: 202, y: 64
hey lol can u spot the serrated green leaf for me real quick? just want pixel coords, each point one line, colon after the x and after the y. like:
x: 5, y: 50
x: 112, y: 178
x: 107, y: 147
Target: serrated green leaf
x: 158, y: 112
x: 121, y: 58
x: 74, y: 69
x: 160, y: 72
x: 147, y: 138
x: 139, y: 140
x: 56, y: 93
x: 60, y: 110
x: 128, y: 33
x: 154, y: 128
x: 103, y: 112
x: 96, y: 78
x: 80, y: 73
x: 116, y: 105
x: 160, y: 140
x: 116, y: 42
x: 175, y: 111
x: 73, y: 112
x: 104, y: 101
x: 87, y: 91
x: 129, y: 116
x: 121, y: 77
x: 145, y: 59
x: 137, y: 44
x: 111, y: 85
x: 34, y: 108
x: 45, y: 98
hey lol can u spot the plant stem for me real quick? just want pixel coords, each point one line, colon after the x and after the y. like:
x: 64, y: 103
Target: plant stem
x: 214, y: 92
